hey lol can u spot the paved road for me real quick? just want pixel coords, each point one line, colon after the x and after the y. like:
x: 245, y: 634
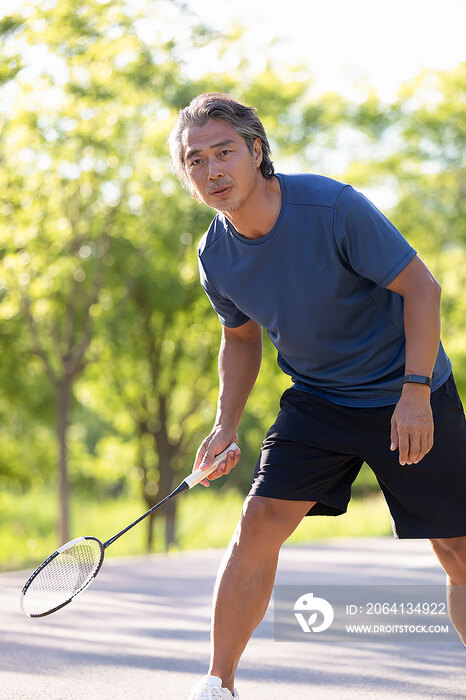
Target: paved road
x: 142, y: 631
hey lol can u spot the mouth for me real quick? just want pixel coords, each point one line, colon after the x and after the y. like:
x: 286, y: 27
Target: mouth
x: 220, y: 192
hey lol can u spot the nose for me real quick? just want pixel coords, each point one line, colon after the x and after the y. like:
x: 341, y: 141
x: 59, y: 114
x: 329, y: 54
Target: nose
x: 214, y: 172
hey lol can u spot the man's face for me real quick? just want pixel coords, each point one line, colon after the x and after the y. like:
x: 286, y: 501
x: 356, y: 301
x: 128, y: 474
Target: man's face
x: 221, y: 170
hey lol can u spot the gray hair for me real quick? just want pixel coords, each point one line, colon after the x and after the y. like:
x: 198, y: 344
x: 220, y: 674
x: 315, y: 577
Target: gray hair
x: 218, y: 105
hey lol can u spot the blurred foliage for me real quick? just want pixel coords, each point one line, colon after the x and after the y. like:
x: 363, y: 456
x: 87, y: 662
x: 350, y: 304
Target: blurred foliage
x: 99, y: 291
x: 26, y: 523
x: 427, y: 171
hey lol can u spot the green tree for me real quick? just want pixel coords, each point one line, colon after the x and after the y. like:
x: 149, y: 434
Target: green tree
x: 417, y: 146
x: 68, y: 150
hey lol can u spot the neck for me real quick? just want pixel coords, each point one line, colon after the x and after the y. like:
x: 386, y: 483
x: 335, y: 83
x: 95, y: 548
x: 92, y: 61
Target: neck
x: 258, y: 214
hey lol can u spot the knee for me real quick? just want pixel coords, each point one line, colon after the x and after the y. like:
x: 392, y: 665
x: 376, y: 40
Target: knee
x: 451, y: 547
x: 262, y: 522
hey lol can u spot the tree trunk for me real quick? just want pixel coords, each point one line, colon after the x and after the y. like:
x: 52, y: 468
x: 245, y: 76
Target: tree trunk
x: 168, y: 512
x: 165, y: 454
x: 170, y: 524
x: 151, y: 520
x: 166, y: 486
x: 63, y: 408
x: 150, y: 532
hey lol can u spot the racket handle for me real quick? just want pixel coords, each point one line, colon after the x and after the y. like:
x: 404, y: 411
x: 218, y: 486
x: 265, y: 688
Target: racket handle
x: 200, y: 474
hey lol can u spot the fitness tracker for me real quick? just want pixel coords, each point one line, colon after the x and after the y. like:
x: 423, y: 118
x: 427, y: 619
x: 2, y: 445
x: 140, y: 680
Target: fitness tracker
x: 416, y: 379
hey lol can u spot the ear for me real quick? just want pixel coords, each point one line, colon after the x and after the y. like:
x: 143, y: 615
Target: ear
x: 257, y: 150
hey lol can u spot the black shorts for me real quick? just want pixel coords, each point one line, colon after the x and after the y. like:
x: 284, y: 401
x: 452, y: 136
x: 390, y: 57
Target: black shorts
x: 315, y: 449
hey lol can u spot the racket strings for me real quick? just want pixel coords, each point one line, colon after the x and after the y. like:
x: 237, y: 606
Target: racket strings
x: 62, y: 577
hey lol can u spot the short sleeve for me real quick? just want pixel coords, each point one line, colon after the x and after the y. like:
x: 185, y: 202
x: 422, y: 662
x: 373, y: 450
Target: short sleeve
x: 367, y: 241
x: 229, y: 315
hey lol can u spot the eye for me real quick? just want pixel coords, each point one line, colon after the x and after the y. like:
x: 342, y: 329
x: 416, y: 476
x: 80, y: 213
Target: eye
x: 195, y: 162
x: 225, y: 152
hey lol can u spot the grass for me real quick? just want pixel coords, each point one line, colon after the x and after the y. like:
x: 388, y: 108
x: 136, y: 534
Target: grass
x: 205, y: 518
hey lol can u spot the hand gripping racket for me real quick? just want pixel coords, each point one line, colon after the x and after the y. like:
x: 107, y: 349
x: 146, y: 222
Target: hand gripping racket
x: 71, y: 569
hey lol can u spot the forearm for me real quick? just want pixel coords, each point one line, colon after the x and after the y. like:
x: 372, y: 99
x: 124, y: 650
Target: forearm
x: 412, y: 426
x: 422, y: 329
x: 238, y: 366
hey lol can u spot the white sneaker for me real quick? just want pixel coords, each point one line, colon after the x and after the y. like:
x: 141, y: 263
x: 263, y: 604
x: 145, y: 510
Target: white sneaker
x: 210, y: 688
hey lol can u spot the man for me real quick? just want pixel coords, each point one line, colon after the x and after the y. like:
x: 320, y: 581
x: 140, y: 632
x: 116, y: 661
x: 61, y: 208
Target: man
x: 355, y: 316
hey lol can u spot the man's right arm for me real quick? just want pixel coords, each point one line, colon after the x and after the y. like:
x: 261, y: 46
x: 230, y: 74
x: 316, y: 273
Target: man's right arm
x: 239, y: 360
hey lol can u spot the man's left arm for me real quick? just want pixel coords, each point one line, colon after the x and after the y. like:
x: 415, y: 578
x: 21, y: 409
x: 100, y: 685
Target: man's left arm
x: 412, y: 427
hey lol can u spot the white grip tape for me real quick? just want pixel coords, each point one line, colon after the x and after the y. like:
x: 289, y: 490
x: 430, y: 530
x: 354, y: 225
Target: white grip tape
x: 200, y: 474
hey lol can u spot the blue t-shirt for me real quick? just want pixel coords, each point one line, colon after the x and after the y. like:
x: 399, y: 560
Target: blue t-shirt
x: 317, y: 283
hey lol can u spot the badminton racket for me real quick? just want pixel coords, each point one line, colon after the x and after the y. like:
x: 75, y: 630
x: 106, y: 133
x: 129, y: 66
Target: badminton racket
x: 74, y: 565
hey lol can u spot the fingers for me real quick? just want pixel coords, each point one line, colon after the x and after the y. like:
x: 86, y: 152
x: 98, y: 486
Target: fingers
x: 197, y: 462
x: 426, y: 443
x: 209, y: 449
x: 393, y: 436
x: 232, y: 459
x: 224, y: 467
x: 414, y: 440
x: 413, y: 445
x: 422, y: 449
x: 200, y: 454
x: 403, y: 445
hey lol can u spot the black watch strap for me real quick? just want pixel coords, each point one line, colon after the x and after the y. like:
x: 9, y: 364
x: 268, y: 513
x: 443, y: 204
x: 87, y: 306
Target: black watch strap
x: 417, y: 379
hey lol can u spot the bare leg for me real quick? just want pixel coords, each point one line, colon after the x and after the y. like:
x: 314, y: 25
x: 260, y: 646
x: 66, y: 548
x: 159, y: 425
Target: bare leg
x: 451, y: 553
x: 246, y: 576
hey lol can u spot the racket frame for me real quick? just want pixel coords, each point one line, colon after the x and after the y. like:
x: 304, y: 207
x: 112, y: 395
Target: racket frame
x: 60, y: 550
